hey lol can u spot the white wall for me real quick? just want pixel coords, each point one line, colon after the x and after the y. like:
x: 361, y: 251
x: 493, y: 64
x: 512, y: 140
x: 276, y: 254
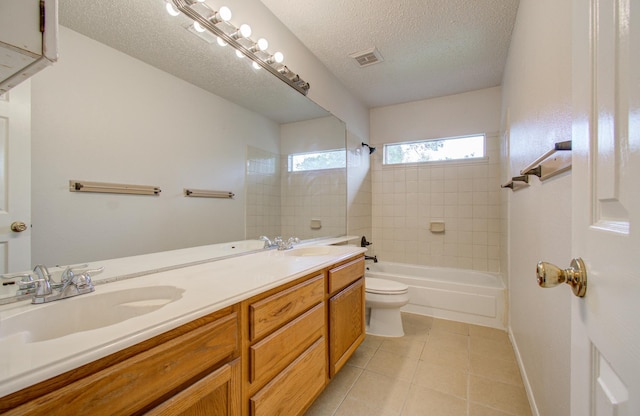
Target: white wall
x: 454, y: 115
x: 100, y: 115
x: 537, y: 113
x: 406, y: 198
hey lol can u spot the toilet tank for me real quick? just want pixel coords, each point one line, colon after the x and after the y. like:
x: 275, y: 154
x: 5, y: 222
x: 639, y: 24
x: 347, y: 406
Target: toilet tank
x: 28, y: 39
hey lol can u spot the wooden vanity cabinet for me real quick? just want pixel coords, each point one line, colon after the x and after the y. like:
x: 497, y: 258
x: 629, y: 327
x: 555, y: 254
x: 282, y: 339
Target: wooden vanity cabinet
x: 298, y: 335
x: 284, y: 350
x: 271, y: 354
x: 181, y: 372
x: 346, y: 300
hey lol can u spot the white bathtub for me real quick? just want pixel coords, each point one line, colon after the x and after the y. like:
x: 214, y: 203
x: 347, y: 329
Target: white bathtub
x: 455, y: 294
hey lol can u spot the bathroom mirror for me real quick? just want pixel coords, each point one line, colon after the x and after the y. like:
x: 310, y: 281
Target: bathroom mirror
x: 109, y: 111
x: 301, y: 191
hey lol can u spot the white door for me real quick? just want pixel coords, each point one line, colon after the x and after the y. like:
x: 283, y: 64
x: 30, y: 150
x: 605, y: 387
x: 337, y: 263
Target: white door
x: 15, y: 179
x: 605, y: 366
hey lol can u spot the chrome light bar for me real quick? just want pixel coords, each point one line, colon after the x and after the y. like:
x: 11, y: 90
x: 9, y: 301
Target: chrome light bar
x: 198, y: 11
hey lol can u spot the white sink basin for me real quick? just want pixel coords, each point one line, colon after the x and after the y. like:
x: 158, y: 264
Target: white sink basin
x: 86, y: 312
x: 311, y: 251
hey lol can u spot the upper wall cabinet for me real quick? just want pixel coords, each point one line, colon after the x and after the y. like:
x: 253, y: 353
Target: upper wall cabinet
x: 28, y: 39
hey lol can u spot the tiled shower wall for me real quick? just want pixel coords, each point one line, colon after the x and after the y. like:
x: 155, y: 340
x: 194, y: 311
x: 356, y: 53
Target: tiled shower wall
x: 285, y: 204
x: 466, y: 196
x: 320, y: 194
x: 263, y: 193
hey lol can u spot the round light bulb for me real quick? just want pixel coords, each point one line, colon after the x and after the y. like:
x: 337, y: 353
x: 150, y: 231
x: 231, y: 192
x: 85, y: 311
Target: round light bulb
x: 239, y: 54
x: 171, y: 9
x: 221, y: 42
x: 224, y: 13
x: 245, y: 30
x: 278, y: 57
x: 262, y: 44
x: 198, y: 27
x: 256, y: 65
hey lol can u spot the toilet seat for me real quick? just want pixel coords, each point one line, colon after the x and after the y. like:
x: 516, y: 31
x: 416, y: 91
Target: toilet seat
x: 384, y: 286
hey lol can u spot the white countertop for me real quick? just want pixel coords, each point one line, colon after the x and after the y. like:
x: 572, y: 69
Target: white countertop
x: 208, y: 287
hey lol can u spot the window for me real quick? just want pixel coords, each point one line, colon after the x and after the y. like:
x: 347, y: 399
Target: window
x: 451, y: 148
x: 326, y: 159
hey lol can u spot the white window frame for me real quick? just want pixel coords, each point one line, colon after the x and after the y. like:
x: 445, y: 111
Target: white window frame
x: 290, y: 157
x: 459, y: 160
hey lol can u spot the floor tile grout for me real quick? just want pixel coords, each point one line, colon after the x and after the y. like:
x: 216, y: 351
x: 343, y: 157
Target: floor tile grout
x: 442, y: 334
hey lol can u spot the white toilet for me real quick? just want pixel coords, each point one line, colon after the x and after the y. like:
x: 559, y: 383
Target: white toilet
x: 383, y: 300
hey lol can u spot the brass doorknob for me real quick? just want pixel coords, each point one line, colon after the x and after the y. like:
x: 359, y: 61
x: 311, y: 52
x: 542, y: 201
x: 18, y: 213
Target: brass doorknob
x: 18, y: 226
x: 575, y: 276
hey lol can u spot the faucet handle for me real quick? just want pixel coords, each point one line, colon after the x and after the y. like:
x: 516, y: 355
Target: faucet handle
x: 26, y: 284
x: 70, y: 272
x: 82, y: 280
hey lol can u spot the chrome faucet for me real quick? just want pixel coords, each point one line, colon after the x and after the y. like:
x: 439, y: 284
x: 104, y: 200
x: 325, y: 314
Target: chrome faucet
x: 286, y: 245
x: 26, y: 285
x: 72, y: 283
x: 42, y: 281
x: 267, y: 243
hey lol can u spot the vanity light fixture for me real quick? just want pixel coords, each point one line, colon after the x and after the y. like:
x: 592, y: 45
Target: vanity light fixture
x: 198, y: 28
x: 217, y: 23
x: 243, y: 32
x: 222, y: 15
x: 260, y: 46
x: 276, y: 58
x: 171, y: 9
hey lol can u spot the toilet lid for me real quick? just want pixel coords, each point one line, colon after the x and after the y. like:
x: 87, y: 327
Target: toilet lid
x: 382, y: 286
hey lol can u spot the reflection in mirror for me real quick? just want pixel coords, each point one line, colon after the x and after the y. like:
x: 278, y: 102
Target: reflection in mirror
x: 137, y: 117
x: 302, y: 191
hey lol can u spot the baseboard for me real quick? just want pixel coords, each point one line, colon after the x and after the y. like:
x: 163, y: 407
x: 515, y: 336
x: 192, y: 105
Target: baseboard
x: 525, y: 378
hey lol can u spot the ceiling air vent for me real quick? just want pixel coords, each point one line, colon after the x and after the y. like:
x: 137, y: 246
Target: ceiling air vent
x: 368, y: 57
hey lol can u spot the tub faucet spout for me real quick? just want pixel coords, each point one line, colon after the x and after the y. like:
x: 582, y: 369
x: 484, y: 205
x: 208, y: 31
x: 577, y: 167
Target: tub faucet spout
x: 374, y: 258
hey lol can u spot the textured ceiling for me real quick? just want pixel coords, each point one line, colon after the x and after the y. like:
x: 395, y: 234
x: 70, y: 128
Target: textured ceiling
x: 144, y: 30
x: 431, y: 48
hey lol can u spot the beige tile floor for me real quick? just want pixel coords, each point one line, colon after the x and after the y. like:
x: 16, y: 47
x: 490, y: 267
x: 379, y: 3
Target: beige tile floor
x: 439, y: 368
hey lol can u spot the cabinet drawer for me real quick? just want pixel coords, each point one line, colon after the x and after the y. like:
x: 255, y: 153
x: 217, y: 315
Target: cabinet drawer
x: 269, y: 356
x: 216, y: 394
x: 293, y: 390
x: 134, y: 384
x: 276, y: 310
x: 343, y: 275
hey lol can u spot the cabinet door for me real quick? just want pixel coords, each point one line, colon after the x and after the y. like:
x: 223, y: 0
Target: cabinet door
x: 346, y: 324
x: 217, y: 394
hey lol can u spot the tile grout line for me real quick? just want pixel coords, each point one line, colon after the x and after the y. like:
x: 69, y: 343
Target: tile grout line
x: 347, y: 392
